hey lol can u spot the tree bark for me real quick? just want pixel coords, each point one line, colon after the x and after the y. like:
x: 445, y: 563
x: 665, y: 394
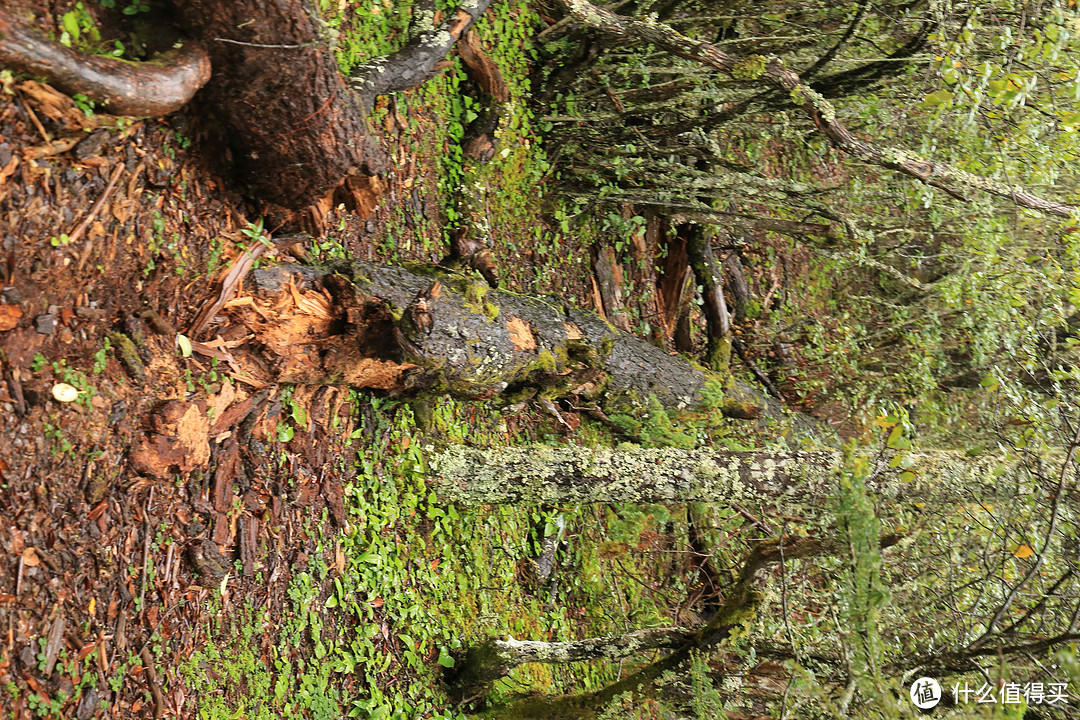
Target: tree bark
x: 710, y: 277
x: 296, y: 126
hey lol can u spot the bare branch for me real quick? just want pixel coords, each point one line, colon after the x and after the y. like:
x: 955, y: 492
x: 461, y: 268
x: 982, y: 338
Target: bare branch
x: 773, y: 71
x: 422, y: 57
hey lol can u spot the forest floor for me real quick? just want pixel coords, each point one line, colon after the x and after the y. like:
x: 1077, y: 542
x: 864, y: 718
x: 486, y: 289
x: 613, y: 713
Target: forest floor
x: 282, y: 555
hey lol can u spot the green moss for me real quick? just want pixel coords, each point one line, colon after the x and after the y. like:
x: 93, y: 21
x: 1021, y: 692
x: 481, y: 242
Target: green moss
x: 750, y: 68
x: 546, y: 361
x: 129, y: 354
x: 474, y: 297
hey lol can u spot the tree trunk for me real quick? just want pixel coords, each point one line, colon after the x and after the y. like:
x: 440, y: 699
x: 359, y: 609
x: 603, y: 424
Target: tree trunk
x: 710, y: 277
x: 295, y: 129
x: 296, y: 126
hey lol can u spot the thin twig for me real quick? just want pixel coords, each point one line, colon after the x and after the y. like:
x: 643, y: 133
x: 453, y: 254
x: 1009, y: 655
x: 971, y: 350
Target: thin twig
x: 1055, y: 506
x: 268, y: 45
x: 77, y: 233
x: 37, y: 123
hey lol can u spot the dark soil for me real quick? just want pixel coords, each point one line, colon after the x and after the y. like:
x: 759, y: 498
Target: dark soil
x: 119, y: 511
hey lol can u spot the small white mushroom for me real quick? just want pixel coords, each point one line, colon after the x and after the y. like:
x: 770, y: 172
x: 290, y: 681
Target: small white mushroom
x: 64, y: 393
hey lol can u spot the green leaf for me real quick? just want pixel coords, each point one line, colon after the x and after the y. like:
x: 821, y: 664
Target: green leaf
x: 71, y: 23
x: 941, y: 97
x: 444, y: 658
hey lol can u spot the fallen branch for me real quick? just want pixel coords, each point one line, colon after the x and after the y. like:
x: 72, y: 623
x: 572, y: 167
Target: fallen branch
x: 239, y: 270
x: 421, y: 58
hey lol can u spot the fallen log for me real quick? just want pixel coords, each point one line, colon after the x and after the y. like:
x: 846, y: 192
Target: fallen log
x: 432, y: 332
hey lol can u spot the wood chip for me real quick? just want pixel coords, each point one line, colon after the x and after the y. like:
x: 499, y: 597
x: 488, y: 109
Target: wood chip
x: 9, y: 317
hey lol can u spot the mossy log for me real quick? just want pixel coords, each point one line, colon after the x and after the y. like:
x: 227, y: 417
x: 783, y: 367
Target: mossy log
x: 429, y: 331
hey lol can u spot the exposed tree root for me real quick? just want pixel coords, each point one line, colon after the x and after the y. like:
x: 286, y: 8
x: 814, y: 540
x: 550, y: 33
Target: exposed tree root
x: 120, y: 88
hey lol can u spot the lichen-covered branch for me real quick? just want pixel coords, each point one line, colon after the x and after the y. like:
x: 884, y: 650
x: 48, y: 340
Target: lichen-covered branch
x: 420, y: 59
x: 773, y: 71
x: 494, y: 659
x: 792, y: 482
x: 741, y: 603
x: 117, y: 87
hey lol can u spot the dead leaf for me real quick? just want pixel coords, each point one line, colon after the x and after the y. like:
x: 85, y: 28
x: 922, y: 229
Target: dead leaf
x: 9, y: 169
x: 30, y: 557
x: 1023, y: 551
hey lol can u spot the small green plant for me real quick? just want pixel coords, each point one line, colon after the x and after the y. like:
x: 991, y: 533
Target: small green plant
x: 60, y: 445
x: 205, y: 380
x: 101, y: 358
x: 254, y: 231
x: 84, y: 103
x: 63, y: 373
x: 132, y: 8
x: 78, y: 28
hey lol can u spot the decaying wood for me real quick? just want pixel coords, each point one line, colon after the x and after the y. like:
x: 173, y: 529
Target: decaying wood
x: 709, y: 276
x: 117, y: 87
x: 609, y: 284
x: 671, y: 283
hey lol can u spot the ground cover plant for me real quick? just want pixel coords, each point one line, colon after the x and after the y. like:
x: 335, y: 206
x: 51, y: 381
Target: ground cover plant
x: 538, y: 359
